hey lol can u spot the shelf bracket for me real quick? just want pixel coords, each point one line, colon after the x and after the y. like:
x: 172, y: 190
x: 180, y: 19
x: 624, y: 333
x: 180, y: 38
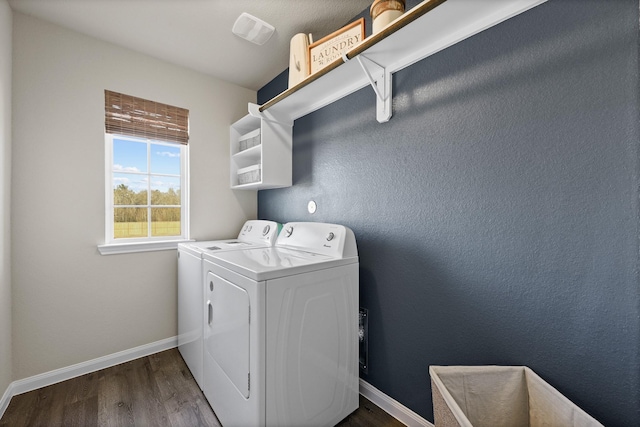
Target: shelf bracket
x: 381, y: 82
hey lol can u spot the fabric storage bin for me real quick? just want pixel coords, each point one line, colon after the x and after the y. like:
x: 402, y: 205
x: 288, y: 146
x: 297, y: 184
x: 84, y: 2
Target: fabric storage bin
x: 249, y: 174
x: 249, y: 140
x: 500, y: 396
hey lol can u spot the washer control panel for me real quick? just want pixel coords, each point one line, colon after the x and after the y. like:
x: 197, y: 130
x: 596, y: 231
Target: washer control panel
x: 259, y: 231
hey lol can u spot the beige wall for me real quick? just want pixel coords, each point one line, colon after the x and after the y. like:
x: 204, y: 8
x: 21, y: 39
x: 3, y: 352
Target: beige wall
x: 5, y: 195
x: 69, y: 303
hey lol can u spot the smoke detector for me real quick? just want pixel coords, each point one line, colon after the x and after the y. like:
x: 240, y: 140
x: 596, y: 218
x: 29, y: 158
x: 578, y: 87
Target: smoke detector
x: 253, y: 29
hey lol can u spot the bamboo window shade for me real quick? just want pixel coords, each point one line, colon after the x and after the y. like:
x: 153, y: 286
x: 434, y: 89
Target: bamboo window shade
x: 131, y: 116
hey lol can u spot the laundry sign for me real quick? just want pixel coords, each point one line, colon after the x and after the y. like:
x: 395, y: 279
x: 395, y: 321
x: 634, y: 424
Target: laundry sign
x: 330, y: 48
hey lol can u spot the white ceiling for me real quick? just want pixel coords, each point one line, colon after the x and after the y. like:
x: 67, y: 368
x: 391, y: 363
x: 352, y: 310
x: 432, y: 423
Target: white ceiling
x: 197, y: 33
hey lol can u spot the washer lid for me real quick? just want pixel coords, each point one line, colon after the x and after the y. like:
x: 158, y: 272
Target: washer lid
x: 198, y: 248
x: 269, y: 263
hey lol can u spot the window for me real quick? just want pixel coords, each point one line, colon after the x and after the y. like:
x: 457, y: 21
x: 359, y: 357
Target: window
x: 146, y: 173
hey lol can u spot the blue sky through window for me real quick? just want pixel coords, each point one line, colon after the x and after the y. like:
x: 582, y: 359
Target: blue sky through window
x: 130, y: 165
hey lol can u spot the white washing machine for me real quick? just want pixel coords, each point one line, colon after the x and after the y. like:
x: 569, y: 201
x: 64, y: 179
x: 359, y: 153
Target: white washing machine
x: 254, y: 233
x: 281, y: 330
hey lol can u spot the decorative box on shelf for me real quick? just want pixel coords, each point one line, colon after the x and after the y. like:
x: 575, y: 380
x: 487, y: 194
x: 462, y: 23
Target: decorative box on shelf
x: 330, y: 48
x: 249, y: 140
x: 249, y: 175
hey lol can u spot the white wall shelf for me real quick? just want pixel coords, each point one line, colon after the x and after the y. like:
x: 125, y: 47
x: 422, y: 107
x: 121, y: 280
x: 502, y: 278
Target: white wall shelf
x: 426, y: 29
x: 272, y: 155
x: 250, y: 156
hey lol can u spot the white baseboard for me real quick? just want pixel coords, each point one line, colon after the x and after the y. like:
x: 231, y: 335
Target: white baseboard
x: 63, y: 374
x: 389, y: 405
x: 392, y: 407
x: 6, y: 398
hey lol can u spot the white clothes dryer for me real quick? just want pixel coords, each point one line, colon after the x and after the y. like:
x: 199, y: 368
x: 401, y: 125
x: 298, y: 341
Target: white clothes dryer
x: 254, y: 233
x: 281, y: 331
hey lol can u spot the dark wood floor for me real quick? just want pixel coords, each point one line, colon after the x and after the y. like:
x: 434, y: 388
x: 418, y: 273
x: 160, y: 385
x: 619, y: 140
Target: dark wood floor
x: 157, y: 390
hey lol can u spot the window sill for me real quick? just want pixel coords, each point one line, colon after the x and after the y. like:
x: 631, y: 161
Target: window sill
x: 126, y: 248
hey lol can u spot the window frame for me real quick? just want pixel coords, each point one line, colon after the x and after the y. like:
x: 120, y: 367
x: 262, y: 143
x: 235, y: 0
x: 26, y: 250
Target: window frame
x: 149, y: 243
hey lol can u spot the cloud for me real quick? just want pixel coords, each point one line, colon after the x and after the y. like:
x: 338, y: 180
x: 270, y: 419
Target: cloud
x: 120, y: 168
x: 165, y: 185
x: 137, y: 184
x: 168, y: 154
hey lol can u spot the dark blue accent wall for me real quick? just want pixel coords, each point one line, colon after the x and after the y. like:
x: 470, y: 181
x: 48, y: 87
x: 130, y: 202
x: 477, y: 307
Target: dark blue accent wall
x: 497, y: 212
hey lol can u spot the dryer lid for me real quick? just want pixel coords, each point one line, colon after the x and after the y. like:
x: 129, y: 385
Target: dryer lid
x: 269, y: 263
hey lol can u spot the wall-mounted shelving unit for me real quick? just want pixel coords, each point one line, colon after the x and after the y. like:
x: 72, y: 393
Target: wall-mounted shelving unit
x: 426, y: 29
x: 266, y: 163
